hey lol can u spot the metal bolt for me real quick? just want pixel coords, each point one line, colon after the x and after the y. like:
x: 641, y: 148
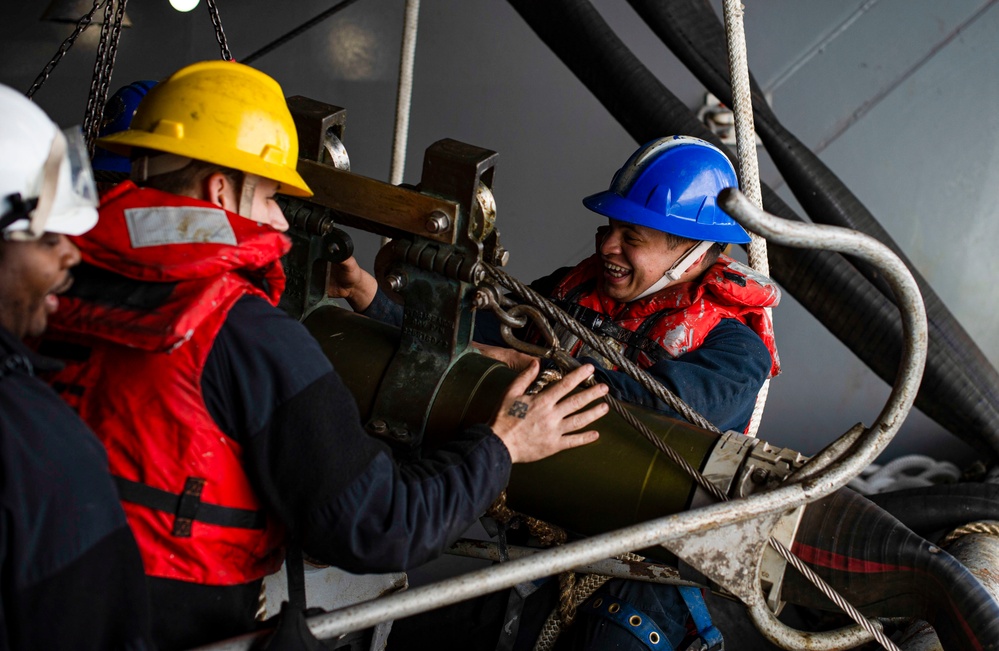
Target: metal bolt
x: 438, y: 222
x: 501, y: 256
x: 396, y: 281
x: 477, y: 274
x: 759, y: 476
x: 400, y: 434
x: 378, y: 427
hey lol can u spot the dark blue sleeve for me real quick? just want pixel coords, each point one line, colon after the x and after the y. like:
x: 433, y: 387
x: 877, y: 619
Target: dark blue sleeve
x: 384, y: 309
x: 719, y: 380
x: 269, y: 386
x: 72, y: 575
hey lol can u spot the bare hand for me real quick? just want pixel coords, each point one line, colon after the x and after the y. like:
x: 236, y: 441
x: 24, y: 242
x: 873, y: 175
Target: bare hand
x: 349, y: 281
x: 515, y: 359
x: 535, y: 427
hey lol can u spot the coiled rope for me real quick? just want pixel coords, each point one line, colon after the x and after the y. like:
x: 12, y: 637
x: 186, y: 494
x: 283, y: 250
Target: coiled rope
x: 989, y: 527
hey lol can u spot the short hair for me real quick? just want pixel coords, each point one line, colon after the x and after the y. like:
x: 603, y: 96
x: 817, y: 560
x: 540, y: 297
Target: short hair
x: 187, y: 180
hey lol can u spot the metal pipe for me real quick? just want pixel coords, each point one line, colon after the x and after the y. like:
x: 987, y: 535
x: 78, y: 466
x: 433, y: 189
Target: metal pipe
x: 875, y: 438
x: 544, y: 563
x: 612, y: 567
x: 867, y: 445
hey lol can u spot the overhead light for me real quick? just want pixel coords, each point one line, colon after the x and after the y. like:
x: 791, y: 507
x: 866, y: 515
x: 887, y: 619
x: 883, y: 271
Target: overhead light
x: 184, y: 5
x: 71, y: 11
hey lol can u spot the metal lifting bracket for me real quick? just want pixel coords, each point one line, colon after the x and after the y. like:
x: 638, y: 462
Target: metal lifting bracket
x: 441, y: 230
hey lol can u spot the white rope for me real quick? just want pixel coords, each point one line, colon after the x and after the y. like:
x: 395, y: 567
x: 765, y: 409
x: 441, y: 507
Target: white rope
x: 404, y: 98
x: 749, y: 170
x: 912, y: 471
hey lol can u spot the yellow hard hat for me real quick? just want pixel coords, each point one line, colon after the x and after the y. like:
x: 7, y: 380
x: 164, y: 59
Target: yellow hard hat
x: 219, y: 112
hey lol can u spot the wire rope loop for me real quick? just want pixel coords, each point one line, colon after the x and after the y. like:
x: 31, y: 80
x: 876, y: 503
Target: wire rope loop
x: 213, y: 10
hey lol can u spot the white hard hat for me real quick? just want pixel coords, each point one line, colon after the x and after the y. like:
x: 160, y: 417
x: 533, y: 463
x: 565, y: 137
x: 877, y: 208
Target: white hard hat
x: 46, y: 184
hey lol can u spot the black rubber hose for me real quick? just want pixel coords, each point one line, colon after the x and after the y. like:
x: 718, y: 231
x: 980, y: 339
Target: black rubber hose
x: 825, y: 283
x: 886, y: 570
x: 960, y: 388
x: 943, y: 507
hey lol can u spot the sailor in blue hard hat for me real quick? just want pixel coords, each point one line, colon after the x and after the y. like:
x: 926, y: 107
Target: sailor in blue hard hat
x: 669, y: 186
x: 118, y: 113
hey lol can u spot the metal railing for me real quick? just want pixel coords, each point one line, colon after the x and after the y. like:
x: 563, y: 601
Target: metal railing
x: 749, y: 519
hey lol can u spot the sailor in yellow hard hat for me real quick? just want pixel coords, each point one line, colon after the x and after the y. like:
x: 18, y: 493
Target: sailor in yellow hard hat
x: 228, y: 431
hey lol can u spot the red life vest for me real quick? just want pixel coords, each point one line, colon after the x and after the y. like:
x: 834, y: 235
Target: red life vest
x: 675, y: 320
x: 188, y: 500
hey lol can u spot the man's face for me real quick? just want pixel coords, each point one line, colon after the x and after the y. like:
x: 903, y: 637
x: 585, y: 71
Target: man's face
x: 265, y: 209
x: 31, y: 276
x: 635, y: 257
x: 220, y: 190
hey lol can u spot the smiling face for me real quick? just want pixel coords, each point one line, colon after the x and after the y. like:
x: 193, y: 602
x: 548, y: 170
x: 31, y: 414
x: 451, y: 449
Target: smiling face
x: 635, y: 257
x: 31, y: 275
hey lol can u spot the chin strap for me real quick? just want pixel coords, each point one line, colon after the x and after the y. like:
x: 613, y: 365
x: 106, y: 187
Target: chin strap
x: 245, y: 208
x: 680, y: 267
x: 145, y: 167
x: 36, y: 210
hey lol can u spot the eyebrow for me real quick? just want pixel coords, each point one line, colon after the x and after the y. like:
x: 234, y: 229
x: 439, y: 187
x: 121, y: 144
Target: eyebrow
x: 629, y: 227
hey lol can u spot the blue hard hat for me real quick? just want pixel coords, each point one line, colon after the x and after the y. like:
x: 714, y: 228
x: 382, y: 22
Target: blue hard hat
x: 118, y: 112
x: 672, y: 185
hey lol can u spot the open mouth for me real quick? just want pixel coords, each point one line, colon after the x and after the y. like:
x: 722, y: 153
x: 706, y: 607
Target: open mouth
x: 614, y: 271
x: 64, y: 286
x: 52, y: 298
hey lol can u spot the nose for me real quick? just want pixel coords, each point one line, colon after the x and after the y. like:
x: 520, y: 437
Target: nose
x: 276, y: 218
x: 69, y: 254
x: 611, y: 242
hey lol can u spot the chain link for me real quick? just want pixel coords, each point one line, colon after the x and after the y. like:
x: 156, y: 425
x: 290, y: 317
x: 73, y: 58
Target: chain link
x: 219, y: 32
x: 81, y: 25
x: 107, y: 51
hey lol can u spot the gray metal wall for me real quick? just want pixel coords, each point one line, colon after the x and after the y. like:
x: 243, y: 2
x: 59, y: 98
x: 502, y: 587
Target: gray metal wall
x: 897, y: 97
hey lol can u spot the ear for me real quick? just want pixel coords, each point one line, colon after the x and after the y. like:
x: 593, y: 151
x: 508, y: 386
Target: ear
x: 218, y: 189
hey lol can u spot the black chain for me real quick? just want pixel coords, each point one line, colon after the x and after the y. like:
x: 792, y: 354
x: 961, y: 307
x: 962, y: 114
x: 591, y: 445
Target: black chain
x: 219, y: 32
x: 81, y: 25
x: 107, y: 51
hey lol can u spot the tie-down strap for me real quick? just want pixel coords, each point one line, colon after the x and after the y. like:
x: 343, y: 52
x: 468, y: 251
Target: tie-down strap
x: 188, y: 507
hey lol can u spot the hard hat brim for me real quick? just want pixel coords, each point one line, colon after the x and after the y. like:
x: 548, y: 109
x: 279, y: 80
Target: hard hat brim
x: 612, y: 205
x: 123, y: 142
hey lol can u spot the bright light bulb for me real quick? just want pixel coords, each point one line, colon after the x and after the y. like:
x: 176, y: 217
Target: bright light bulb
x: 184, y: 5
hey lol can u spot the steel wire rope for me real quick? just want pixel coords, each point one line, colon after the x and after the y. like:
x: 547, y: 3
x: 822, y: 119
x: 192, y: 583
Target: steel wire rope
x: 570, y: 324
x: 288, y: 36
x: 553, y: 312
